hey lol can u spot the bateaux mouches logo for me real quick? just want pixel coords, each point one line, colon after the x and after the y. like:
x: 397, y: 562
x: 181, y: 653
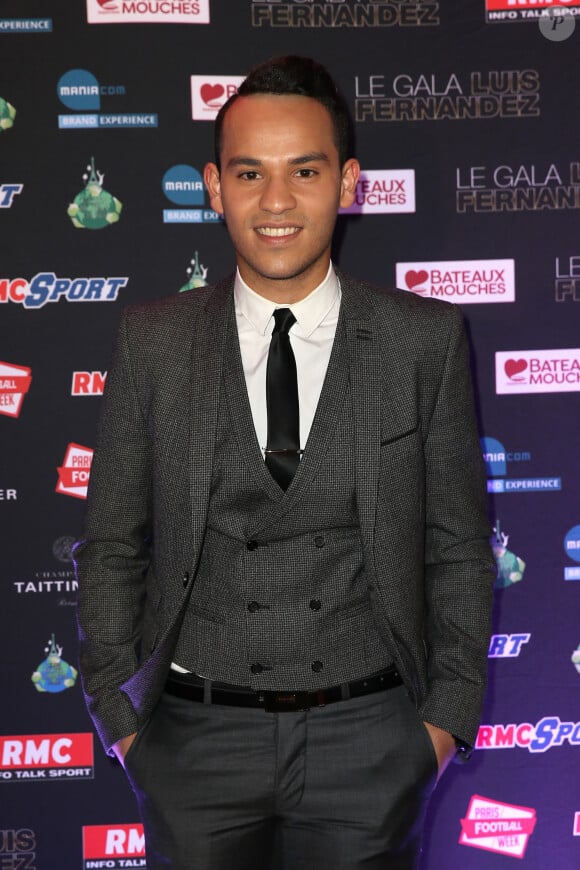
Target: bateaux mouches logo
x: 113, y: 846
x: 572, y: 550
x: 550, y: 731
x: 567, y: 279
x: 148, y: 11
x: 384, y: 191
x: 74, y: 473
x: 14, y: 385
x: 497, y: 827
x: 183, y: 186
x: 46, y: 287
x: 465, y: 281
x: 79, y: 90
x: 345, y: 13
x: 209, y: 93
x: 537, y: 371
x: 46, y: 757
x: 499, y: 11
x: 525, y: 187
x: 478, y: 95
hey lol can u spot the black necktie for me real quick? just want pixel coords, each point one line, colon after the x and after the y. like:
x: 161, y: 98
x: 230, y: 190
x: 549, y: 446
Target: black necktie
x: 283, y: 447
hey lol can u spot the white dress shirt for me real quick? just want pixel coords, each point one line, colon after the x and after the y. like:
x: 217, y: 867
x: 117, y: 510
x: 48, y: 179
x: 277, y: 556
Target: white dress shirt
x: 311, y: 338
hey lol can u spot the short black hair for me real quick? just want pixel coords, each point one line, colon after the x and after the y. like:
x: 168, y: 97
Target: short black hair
x: 295, y: 76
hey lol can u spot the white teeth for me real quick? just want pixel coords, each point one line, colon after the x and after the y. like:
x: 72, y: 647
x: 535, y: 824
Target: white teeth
x: 277, y: 231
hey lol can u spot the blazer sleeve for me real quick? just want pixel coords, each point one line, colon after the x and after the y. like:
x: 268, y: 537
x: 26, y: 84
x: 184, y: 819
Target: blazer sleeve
x: 459, y: 566
x: 113, y: 555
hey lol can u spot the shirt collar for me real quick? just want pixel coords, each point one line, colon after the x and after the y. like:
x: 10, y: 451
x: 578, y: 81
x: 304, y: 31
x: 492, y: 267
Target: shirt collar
x: 309, y: 312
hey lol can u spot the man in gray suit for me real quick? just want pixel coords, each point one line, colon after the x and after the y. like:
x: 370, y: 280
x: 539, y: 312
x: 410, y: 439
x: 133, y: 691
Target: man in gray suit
x: 285, y: 654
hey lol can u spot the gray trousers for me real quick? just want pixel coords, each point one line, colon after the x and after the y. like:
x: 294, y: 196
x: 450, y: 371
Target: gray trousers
x: 339, y: 787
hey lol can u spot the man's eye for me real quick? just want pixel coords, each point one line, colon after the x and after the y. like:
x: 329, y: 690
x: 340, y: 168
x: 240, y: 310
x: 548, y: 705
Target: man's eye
x: 249, y: 175
x: 306, y: 173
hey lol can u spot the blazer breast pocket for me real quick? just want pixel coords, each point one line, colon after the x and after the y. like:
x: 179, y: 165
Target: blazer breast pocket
x: 400, y: 439
x: 402, y: 468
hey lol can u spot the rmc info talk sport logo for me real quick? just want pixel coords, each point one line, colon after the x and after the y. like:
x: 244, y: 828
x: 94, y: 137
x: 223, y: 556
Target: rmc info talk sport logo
x: 113, y: 846
x: 46, y: 757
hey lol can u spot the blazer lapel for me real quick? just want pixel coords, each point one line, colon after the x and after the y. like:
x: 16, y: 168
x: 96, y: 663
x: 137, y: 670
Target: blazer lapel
x: 207, y: 353
x: 365, y: 378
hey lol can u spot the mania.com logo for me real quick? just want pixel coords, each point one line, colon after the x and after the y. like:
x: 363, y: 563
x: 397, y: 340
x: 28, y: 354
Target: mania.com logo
x: 537, y: 371
x: 209, y: 93
x: 148, y: 11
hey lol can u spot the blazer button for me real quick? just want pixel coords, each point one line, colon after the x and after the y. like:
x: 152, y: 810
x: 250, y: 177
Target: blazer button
x: 317, y: 667
x: 253, y: 606
x: 315, y: 605
x: 252, y: 545
x: 256, y: 668
x: 319, y: 541
x: 185, y: 580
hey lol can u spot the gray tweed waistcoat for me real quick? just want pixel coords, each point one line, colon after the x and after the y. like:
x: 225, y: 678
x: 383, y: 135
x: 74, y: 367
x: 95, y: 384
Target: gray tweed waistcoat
x: 280, y: 599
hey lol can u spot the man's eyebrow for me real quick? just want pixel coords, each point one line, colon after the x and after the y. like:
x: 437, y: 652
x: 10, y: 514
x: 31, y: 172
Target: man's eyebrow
x: 244, y: 161
x: 313, y: 157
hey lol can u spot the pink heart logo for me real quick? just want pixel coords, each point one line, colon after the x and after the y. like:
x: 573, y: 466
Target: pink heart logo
x: 211, y: 93
x: 413, y: 278
x: 515, y: 366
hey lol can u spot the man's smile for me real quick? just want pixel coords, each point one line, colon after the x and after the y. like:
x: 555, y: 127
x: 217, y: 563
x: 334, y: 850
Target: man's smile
x: 277, y: 232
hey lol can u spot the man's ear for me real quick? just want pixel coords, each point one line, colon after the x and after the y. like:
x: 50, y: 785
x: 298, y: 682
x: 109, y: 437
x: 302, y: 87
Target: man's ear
x: 211, y: 177
x: 349, y: 178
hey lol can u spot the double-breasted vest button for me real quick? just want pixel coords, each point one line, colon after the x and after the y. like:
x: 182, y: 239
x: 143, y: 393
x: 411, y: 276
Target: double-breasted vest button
x: 252, y: 545
x: 257, y: 668
x: 315, y: 605
x: 319, y: 541
x: 317, y: 667
x: 253, y: 606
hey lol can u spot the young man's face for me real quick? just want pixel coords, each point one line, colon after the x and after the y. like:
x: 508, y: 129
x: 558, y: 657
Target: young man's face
x: 280, y: 188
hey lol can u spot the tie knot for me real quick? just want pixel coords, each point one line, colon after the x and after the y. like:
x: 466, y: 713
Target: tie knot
x: 284, y: 319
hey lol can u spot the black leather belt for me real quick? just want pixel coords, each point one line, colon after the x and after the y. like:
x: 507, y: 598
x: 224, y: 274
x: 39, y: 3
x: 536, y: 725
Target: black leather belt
x: 193, y: 688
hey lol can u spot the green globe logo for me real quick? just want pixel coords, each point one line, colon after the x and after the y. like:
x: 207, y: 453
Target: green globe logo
x: 7, y: 115
x: 197, y: 275
x: 94, y: 208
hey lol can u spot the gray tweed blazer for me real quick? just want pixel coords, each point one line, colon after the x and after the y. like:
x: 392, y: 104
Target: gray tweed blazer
x: 420, y: 492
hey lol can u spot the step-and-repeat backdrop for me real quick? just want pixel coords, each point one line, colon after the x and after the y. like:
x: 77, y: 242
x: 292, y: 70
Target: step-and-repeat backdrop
x: 467, y: 126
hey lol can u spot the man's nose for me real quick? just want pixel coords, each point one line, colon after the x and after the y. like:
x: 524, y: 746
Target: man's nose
x: 277, y: 196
